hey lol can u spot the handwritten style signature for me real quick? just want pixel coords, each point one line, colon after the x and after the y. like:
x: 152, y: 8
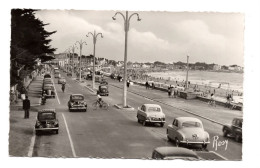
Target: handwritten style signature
x: 218, y: 143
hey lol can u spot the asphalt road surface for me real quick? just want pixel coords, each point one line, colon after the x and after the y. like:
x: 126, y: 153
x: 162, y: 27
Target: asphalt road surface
x: 114, y: 133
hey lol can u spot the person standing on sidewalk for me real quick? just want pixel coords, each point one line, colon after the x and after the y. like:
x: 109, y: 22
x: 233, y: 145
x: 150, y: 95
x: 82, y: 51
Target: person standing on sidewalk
x: 26, y: 107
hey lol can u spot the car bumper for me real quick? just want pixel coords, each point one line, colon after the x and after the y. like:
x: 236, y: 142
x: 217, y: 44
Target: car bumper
x: 46, y: 129
x: 103, y: 94
x: 194, y: 142
x: 154, y: 121
x: 78, y: 108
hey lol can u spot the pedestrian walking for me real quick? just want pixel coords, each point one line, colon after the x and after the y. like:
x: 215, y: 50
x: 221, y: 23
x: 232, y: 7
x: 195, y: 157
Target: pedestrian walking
x: 169, y: 90
x: 128, y: 83
x: 147, y: 85
x: 26, y: 107
x: 175, y: 91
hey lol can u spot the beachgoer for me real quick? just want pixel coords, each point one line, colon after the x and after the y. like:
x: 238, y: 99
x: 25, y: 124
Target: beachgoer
x: 169, y: 90
x: 175, y: 91
x: 212, y: 100
x: 147, y: 85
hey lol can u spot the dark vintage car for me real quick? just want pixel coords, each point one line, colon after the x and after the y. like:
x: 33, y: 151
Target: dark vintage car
x: 103, y: 90
x: 170, y: 153
x: 47, y: 76
x: 46, y: 121
x: 77, y: 103
x: 49, y: 90
x: 234, y: 129
x: 113, y: 76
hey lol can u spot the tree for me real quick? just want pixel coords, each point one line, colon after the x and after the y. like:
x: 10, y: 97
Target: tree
x: 29, y: 41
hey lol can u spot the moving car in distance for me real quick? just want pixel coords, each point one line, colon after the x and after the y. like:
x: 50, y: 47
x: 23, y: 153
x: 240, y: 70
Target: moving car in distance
x: 49, y: 90
x: 234, y: 129
x: 103, y: 90
x: 150, y: 113
x: 189, y: 131
x: 61, y: 80
x: 77, y: 103
x: 46, y: 121
x: 170, y: 153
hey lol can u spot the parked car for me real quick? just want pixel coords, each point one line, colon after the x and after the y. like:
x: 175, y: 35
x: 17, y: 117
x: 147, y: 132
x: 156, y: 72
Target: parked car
x: 234, y: 129
x: 113, y: 76
x: 103, y: 90
x: 49, y: 90
x: 46, y: 121
x: 150, y: 113
x: 188, y: 130
x: 61, y: 80
x: 170, y: 153
x: 77, y: 103
x: 47, y: 76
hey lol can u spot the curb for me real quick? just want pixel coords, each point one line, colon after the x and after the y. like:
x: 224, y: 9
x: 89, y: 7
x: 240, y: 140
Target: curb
x: 122, y: 108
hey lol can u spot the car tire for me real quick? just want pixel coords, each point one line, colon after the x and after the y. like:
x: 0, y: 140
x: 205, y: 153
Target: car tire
x: 225, y: 133
x: 237, y: 138
x: 204, y: 146
x: 168, y: 138
x: 57, y: 131
x: 144, y: 123
x: 161, y: 124
x: 177, y: 142
x: 37, y: 132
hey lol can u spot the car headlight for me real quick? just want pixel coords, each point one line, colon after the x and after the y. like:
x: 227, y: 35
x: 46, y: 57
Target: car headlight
x: 148, y: 118
x: 38, y: 123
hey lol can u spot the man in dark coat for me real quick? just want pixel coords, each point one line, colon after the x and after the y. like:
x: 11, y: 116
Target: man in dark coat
x: 26, y: 107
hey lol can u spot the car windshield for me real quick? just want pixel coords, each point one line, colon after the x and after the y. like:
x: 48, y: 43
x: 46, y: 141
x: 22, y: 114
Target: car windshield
x: 49, y: 87
x: 77, y: 97
x: 191, y: 124
x: 46, y: 116
x: 154, y: 109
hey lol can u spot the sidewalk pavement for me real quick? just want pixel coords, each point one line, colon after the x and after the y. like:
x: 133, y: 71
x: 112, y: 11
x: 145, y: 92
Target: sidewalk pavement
x: 22, y: 130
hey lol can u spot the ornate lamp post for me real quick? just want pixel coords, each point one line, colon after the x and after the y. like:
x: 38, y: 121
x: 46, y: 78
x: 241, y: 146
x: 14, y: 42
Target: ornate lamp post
x: 80, y: 54
x: 94, y: 50
x: 73, y: 50
x: 126, y: 28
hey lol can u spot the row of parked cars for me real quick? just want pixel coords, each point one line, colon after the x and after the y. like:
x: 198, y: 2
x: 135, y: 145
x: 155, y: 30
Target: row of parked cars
x: 183, y: 131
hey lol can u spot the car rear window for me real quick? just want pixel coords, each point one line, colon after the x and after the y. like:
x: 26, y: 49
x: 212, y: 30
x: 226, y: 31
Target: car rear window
x: 77, y: 97
x: 46, y: 116
x: 154, y: 109
x: 191, y: 124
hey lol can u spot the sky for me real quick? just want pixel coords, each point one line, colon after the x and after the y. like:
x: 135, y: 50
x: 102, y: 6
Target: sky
x: 168, y: 37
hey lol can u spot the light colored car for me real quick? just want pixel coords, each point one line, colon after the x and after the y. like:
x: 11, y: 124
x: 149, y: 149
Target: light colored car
x: 61, y: 80
x: 170, y: 153
x: 150, y: 113
x: 187, y: 130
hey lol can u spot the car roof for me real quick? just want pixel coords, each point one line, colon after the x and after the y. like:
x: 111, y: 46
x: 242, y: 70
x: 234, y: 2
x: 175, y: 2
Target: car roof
x: 152, y: 105
x: 46, y: 110
x: 175, y: 151
x: 183, y: 119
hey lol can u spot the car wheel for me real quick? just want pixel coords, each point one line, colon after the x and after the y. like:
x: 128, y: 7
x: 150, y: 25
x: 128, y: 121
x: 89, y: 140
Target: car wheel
x: 237, y: 138
x: 57, y: 131
x: 225, y: 133
x: 168, y: 138
x: 204, y: 146
x: 144, y: 123
x: 162, y: 124
x: 37, y: 132
x: 177, y: 142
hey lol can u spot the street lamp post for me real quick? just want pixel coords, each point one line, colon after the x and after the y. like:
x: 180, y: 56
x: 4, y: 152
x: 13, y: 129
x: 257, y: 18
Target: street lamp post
x: 186, y: 86
x: 126, y: 28
x: 73, y: 50
x: 80, y: 54
x: 94, y: 50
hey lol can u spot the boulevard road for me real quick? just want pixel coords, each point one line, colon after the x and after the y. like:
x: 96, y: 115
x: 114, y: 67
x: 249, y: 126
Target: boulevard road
x: 114, y: 133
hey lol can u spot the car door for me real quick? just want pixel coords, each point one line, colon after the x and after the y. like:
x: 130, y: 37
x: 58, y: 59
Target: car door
x: 172, y: 131
x: 141, y: 113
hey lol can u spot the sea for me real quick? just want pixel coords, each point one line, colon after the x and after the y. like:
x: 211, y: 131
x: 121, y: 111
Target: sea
x: 225, y: 80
